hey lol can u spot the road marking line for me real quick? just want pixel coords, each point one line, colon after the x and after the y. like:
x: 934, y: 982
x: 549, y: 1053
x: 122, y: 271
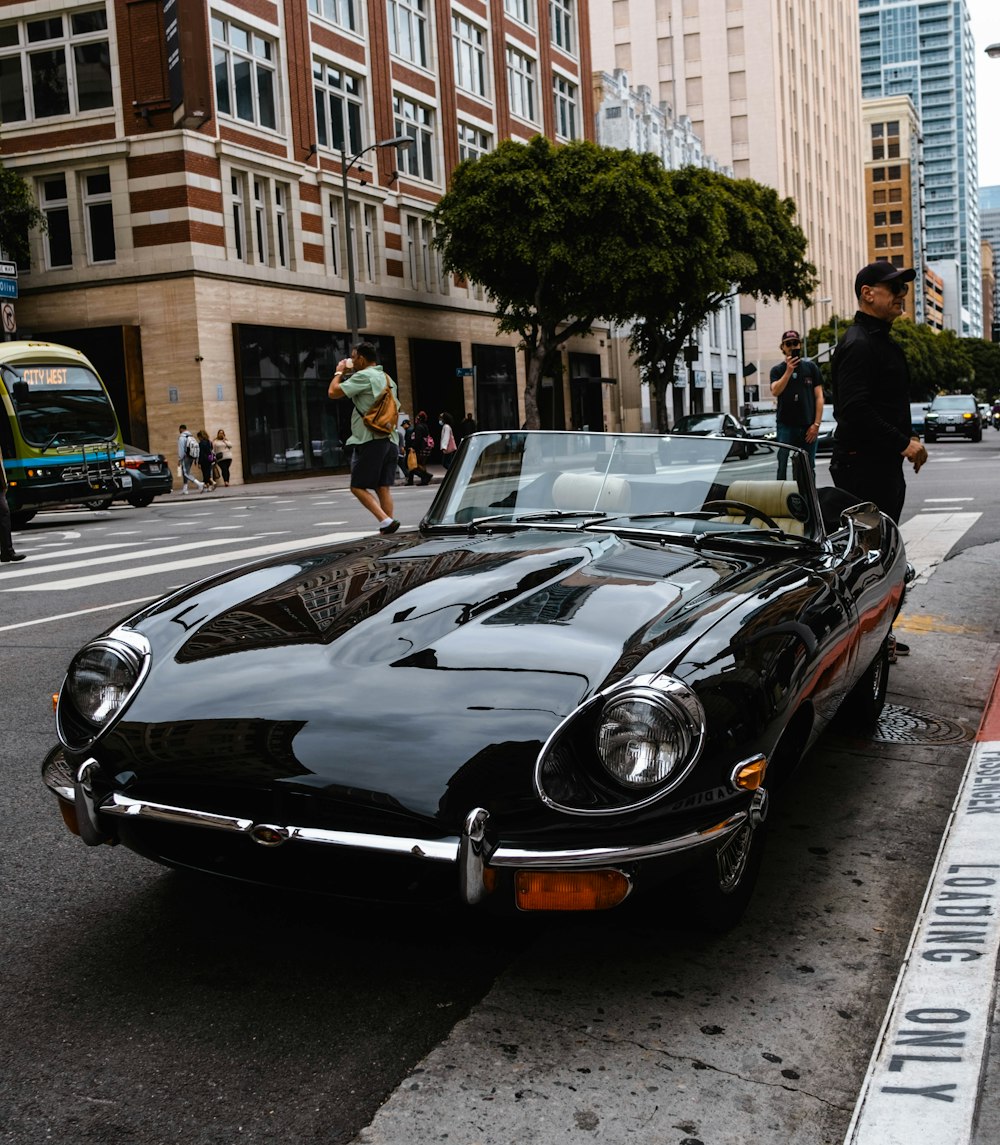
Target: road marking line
x: 80, y: 612
x: 22, y: 572
x: 238, y: 555
x: 929, y: 537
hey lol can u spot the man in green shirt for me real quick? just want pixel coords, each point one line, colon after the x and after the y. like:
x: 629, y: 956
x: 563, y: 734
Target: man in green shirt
x: 373, y: 460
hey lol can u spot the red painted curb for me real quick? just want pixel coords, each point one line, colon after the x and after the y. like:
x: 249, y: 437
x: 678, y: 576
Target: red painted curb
x: 989, y: 726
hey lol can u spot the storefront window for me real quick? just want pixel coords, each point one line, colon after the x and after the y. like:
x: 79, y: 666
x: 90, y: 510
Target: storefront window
x: 290, y: 424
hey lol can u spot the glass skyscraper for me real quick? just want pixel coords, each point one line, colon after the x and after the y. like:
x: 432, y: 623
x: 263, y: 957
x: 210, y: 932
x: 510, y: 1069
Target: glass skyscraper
x: 925, y: 49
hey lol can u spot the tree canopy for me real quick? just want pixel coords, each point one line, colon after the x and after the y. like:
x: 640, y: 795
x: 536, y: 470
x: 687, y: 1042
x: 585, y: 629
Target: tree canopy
x: 18, y: 215
x: 560, y: 237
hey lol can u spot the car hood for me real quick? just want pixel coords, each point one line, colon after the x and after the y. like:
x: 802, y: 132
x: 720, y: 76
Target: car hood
x: 397, y: 669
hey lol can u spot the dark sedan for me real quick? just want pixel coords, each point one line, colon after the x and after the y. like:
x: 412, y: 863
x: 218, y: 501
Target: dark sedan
x: 762, y: 424
x: 575, y: 685
x: 827, y: 428
x: 713, y: 424
x: 150, y: 477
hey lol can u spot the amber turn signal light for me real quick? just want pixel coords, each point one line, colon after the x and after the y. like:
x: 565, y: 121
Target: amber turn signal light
x: 751, y: 775
x: 570, y: 890
x: 55, y: 700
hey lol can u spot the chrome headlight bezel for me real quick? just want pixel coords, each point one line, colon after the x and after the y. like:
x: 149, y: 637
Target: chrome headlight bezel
x: 88, y: 705
x: 571, y: 773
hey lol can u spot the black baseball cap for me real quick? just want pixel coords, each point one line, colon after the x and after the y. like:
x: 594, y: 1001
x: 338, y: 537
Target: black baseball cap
x: 876, y: 272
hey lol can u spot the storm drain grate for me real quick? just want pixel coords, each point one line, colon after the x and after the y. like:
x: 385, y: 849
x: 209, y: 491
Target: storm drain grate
x: 901, y: 725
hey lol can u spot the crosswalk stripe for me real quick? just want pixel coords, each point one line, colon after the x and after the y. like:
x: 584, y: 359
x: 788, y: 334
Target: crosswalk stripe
x: 106, y: 575
x: 930, y: 536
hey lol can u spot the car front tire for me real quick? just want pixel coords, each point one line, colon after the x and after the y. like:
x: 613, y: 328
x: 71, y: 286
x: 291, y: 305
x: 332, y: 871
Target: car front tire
x: 140, y: 502
x: 719, y: 892
x: 865, y: 701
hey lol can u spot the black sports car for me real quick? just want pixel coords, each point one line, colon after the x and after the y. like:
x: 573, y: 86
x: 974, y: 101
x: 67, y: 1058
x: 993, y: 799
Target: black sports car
x: 578, y: 680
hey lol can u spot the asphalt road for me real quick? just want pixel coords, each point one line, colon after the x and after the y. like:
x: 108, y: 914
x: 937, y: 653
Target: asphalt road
x: 143, y: 1007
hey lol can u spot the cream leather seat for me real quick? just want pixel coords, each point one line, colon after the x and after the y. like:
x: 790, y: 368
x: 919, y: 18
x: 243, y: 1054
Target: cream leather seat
x: 775, y: 498
x: 591, y: 491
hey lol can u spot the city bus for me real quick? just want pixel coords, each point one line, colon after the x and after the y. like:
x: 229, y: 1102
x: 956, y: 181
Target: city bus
x: 59, y: 435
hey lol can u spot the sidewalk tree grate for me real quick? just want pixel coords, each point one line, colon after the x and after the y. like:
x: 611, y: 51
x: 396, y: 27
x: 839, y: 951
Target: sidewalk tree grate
x: 901, y: 725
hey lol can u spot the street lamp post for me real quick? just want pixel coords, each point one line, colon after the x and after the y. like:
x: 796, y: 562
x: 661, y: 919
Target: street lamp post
x: 356, y: 302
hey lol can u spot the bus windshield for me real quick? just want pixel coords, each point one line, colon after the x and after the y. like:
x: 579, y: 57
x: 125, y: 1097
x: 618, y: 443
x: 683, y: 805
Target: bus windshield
x: 59, y: 404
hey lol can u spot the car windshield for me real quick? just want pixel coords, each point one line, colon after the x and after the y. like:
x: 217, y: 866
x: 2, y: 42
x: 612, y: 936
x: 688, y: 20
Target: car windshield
x: 649, y: 483
x: 59, y: 404
x: 953, y: 401
x: 761, y: 420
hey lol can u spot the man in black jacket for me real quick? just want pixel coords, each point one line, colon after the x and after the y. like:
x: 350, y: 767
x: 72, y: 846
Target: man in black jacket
x: 871, y: 395
x: 871, y: 401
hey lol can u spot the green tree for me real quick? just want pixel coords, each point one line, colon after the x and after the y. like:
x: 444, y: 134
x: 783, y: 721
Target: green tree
x: 18, y: 215
x: 737, y: 237
x: 985, y: 359
x: 558, y: 237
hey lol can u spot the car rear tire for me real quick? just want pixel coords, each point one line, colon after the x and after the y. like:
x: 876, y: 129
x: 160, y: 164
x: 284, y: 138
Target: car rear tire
x: 719, y: 892
x: 140, y: 502
x: 99, y: 503
x: 20, y: 517
x: 977, y: 435
x: 865, y: 701
x: 929, y: 438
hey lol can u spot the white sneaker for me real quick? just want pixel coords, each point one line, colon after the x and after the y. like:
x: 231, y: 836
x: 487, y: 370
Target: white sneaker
x: 184, y: 490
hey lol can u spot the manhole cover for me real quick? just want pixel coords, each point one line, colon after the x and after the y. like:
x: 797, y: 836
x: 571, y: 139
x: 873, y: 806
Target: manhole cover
x: 900, y: 725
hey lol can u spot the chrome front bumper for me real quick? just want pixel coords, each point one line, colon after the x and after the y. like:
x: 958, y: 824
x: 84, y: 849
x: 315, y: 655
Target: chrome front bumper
x: 471, y: 850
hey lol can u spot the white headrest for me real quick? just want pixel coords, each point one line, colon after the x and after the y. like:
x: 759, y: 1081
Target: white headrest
x: 591, y: 491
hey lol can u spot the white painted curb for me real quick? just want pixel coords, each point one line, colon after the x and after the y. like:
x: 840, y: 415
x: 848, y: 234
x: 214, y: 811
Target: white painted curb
x: 924, y: 1077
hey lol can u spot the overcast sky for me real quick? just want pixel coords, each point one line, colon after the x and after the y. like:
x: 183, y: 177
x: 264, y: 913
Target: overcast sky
x: 985, y: 16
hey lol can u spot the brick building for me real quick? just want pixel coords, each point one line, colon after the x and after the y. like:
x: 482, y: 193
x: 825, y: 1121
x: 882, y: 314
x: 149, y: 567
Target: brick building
x: 188, y: 158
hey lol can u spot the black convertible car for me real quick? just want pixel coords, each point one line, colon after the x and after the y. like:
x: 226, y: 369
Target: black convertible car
x: 576, y: 682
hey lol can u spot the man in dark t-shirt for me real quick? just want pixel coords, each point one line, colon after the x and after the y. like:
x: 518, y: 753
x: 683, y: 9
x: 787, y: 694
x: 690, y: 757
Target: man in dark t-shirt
x: 798, y: 385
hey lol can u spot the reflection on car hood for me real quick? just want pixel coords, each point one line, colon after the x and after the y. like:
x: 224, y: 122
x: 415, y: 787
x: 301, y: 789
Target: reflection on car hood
x: 340, y: 663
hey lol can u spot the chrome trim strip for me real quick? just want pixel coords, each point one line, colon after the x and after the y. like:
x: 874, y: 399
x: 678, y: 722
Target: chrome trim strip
x: 471, y: 851
x: 86, y: 809
x: 445, y: 850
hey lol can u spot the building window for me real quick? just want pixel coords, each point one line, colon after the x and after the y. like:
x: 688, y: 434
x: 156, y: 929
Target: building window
x: 339, y: 108
x: 416, y: 121
x: 878, y: 174
x: 521, y: 84
x: 564, y: 96
x: 561, y: 18
x: 892, y: 127
x: 337, y: 11
x: 55, y: 206
x: 895, y: 218
x: 879, y: 219
x: 878, y: 150
x: 472, y: 142
x: 878, y: 196
x: 896, y: 238
x: 878, y: 130
x: 881, y: 241
x: 408, y: 30
x: 892, y: 151
x: 420, y: 254
x: 260, y: 221
x: 244, y: 74
x: 468, y: 41
x: 239, y: 214
x: 520, y: 10
x: 368, y: 231
x: 333, y: 231
x: 99, y: 216
x: 281, y: 222
x: 895, y: 194
x: 55, y: 66
x: 893, y: 173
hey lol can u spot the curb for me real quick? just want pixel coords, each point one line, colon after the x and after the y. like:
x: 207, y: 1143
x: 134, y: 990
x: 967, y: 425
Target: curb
x: 924, y: 1079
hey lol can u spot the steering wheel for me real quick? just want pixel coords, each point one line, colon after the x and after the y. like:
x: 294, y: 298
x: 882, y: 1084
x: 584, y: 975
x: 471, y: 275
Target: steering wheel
x: 748, y: 511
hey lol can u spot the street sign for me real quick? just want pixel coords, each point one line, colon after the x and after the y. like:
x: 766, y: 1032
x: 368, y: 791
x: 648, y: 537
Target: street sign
x: 8, y: 288
x: 7, y: 317
x: 465, y: 371
x: 8, y: 270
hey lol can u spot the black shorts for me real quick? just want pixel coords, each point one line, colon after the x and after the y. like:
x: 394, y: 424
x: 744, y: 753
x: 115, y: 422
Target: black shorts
x: 373, y: 464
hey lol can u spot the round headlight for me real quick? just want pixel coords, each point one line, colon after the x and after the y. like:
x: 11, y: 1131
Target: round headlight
x: 103, y: 676
x: 640, y: 742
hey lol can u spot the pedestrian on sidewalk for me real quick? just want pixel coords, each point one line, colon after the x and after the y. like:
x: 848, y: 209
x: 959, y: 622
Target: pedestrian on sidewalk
x: 7, y: 553
x: 187, y: 455
x: 871, y: 399
x: 222, y: 447
x: 206, y: 460
x: 374, y: 456
x: 798, y: 385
